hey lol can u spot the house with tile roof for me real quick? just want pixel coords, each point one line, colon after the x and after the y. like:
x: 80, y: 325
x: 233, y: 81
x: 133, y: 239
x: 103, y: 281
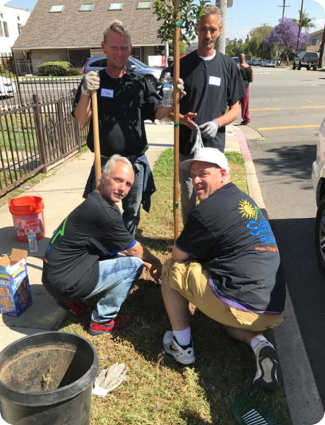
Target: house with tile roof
x: 72, y: 30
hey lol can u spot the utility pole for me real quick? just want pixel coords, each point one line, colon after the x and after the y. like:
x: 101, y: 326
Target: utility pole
x: 221, y: 40
x: 322, y: 51
x: 300, y: 23
x: 283, y: 7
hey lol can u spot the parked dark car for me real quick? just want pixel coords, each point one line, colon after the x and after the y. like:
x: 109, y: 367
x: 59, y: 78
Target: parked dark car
x: 100, y: 62
x: 306, y: 60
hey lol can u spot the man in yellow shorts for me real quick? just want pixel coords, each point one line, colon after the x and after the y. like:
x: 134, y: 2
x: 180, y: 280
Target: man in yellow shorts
x: 226, y: 262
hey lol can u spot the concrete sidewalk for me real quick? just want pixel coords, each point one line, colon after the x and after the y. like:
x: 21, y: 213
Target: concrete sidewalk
x: 62, y: 192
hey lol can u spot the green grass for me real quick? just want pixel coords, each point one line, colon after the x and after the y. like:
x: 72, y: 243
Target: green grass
x: 17, y: 132
x: 158, y: 390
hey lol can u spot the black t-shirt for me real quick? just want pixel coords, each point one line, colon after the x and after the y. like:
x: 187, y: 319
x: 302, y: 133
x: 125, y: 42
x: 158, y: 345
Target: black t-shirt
x: 94, y: 231
x: 123, y: 105
x: 232, y: 239
x: 211, y: 86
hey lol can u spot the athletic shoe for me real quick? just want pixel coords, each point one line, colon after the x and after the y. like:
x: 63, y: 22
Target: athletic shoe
x: 244, y: 123
x: 78, y: 308
x: 119, y: 322
x: 267, y: 365
x: 181, y: 355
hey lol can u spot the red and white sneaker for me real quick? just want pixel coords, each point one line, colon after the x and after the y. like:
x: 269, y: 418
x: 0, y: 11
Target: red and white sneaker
x: 119, y: 322
x: 78, y: 308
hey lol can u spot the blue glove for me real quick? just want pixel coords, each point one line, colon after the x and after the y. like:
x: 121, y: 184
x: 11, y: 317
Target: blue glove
x: 209, y: 129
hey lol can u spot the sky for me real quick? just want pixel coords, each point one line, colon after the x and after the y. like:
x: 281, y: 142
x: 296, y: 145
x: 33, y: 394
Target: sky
x: 245, y: 15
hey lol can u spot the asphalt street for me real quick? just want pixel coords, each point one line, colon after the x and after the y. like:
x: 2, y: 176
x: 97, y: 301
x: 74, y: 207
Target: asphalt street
x: 287, y: 108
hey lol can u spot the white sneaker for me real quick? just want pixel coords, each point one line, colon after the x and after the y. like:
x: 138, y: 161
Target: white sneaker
x: 171, y: 347
x: 267, y: 366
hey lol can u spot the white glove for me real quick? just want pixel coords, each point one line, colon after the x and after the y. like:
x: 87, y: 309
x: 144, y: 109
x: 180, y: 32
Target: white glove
x: 90, y: 83
x: 198, y: 144
x: 109, y: 379
x: 209, y: 129
x: 180, y: 86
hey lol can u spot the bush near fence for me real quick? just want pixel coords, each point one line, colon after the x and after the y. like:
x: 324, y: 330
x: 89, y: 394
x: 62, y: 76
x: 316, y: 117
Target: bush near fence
x: 58, y: 68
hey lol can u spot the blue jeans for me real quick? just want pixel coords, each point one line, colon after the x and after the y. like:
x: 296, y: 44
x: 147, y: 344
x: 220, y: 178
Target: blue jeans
x: 131, y: 203
x: 188, y: 195
x: 116, y: 278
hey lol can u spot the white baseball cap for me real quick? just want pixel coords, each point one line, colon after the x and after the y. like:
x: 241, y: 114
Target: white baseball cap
x: 212, y: 155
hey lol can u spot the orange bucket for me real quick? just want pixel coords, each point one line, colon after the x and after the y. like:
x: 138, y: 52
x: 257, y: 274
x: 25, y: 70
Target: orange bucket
x: 27, y: 214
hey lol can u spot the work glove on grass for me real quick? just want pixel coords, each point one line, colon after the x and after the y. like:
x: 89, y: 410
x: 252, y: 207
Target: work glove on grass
x: 109, y: 379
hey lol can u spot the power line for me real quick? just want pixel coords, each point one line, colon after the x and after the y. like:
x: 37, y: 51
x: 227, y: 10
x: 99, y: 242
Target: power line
x: 284, y: 6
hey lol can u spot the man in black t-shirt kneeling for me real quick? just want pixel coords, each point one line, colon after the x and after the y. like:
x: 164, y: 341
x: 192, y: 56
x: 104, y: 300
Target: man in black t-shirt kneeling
x: 226, y: 262
x: 84, y: 258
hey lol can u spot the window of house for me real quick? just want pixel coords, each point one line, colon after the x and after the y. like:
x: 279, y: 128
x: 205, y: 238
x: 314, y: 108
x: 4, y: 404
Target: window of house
x: 19, y: 28
x: 144, y: 5
x: 57, y: 8
x: 115, y: 6
x: 5, y: 28
x: 315, y: 42
x: 1, y: 30
x: 18, y: 18
x: 87, y: 7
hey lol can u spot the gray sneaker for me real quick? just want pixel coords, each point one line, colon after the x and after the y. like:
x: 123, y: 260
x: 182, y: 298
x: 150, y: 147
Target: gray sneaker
x: 184, y: 356
x: 267, y: 365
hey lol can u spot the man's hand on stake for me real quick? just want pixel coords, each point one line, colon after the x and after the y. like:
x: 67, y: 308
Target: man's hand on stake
x: 209, y: 129
x: 188, y: 119
x: 90, y: 83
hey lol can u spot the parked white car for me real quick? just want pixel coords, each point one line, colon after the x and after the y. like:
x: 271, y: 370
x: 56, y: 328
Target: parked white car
x: 7, y: 87
x: 318, y: 177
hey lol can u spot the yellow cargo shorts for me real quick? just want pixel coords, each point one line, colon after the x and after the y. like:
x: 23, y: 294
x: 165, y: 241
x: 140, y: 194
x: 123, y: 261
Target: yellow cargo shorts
x: 191, y: 281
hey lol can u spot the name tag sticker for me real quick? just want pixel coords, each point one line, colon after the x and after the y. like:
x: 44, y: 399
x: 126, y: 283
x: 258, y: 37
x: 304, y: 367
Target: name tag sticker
x: 214, y: 81
x: 107, y: 93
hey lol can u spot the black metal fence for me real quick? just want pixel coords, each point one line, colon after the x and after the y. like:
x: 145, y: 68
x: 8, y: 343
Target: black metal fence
x: 36, y: 125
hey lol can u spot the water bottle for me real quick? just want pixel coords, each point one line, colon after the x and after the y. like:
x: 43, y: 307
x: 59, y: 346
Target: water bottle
x: 168, y: 90
x: 32, y: 241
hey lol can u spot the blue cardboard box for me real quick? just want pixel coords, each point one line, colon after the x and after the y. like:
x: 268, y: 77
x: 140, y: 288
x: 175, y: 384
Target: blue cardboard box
x: 15, y: 294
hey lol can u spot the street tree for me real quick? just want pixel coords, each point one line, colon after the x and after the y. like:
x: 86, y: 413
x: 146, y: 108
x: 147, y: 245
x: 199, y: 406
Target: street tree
x: 256, y: 41
x: 179, y: 18
x: 285, y: 37
x: 184, y: 15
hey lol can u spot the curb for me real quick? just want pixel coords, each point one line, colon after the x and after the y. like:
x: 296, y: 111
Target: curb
x: 303, y: 400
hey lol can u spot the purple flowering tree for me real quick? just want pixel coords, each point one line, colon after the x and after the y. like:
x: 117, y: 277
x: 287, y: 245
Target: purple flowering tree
x: 285, y: 37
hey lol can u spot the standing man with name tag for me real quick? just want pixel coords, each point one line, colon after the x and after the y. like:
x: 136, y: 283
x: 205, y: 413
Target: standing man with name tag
x: 125, y: 100
x: 212, y: 84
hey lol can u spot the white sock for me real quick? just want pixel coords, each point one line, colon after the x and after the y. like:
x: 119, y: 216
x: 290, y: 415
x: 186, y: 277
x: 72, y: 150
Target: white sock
x: 257, y: 340
x: 183, y: 337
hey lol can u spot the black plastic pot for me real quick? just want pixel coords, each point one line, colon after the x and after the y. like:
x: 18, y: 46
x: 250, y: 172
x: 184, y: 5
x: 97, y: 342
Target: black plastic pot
x: 46, y: 379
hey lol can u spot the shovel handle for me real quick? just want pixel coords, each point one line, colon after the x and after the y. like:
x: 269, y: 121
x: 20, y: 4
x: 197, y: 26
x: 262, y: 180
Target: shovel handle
x: 98, y: 165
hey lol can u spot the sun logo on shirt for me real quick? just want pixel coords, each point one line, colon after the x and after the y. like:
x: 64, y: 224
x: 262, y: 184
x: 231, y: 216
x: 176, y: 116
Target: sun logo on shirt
x: 246, y: 209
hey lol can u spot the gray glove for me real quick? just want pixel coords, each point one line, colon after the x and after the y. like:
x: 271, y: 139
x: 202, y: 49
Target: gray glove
x: 209, y: 129
x: 109, y: 379
x: 90, y: 83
